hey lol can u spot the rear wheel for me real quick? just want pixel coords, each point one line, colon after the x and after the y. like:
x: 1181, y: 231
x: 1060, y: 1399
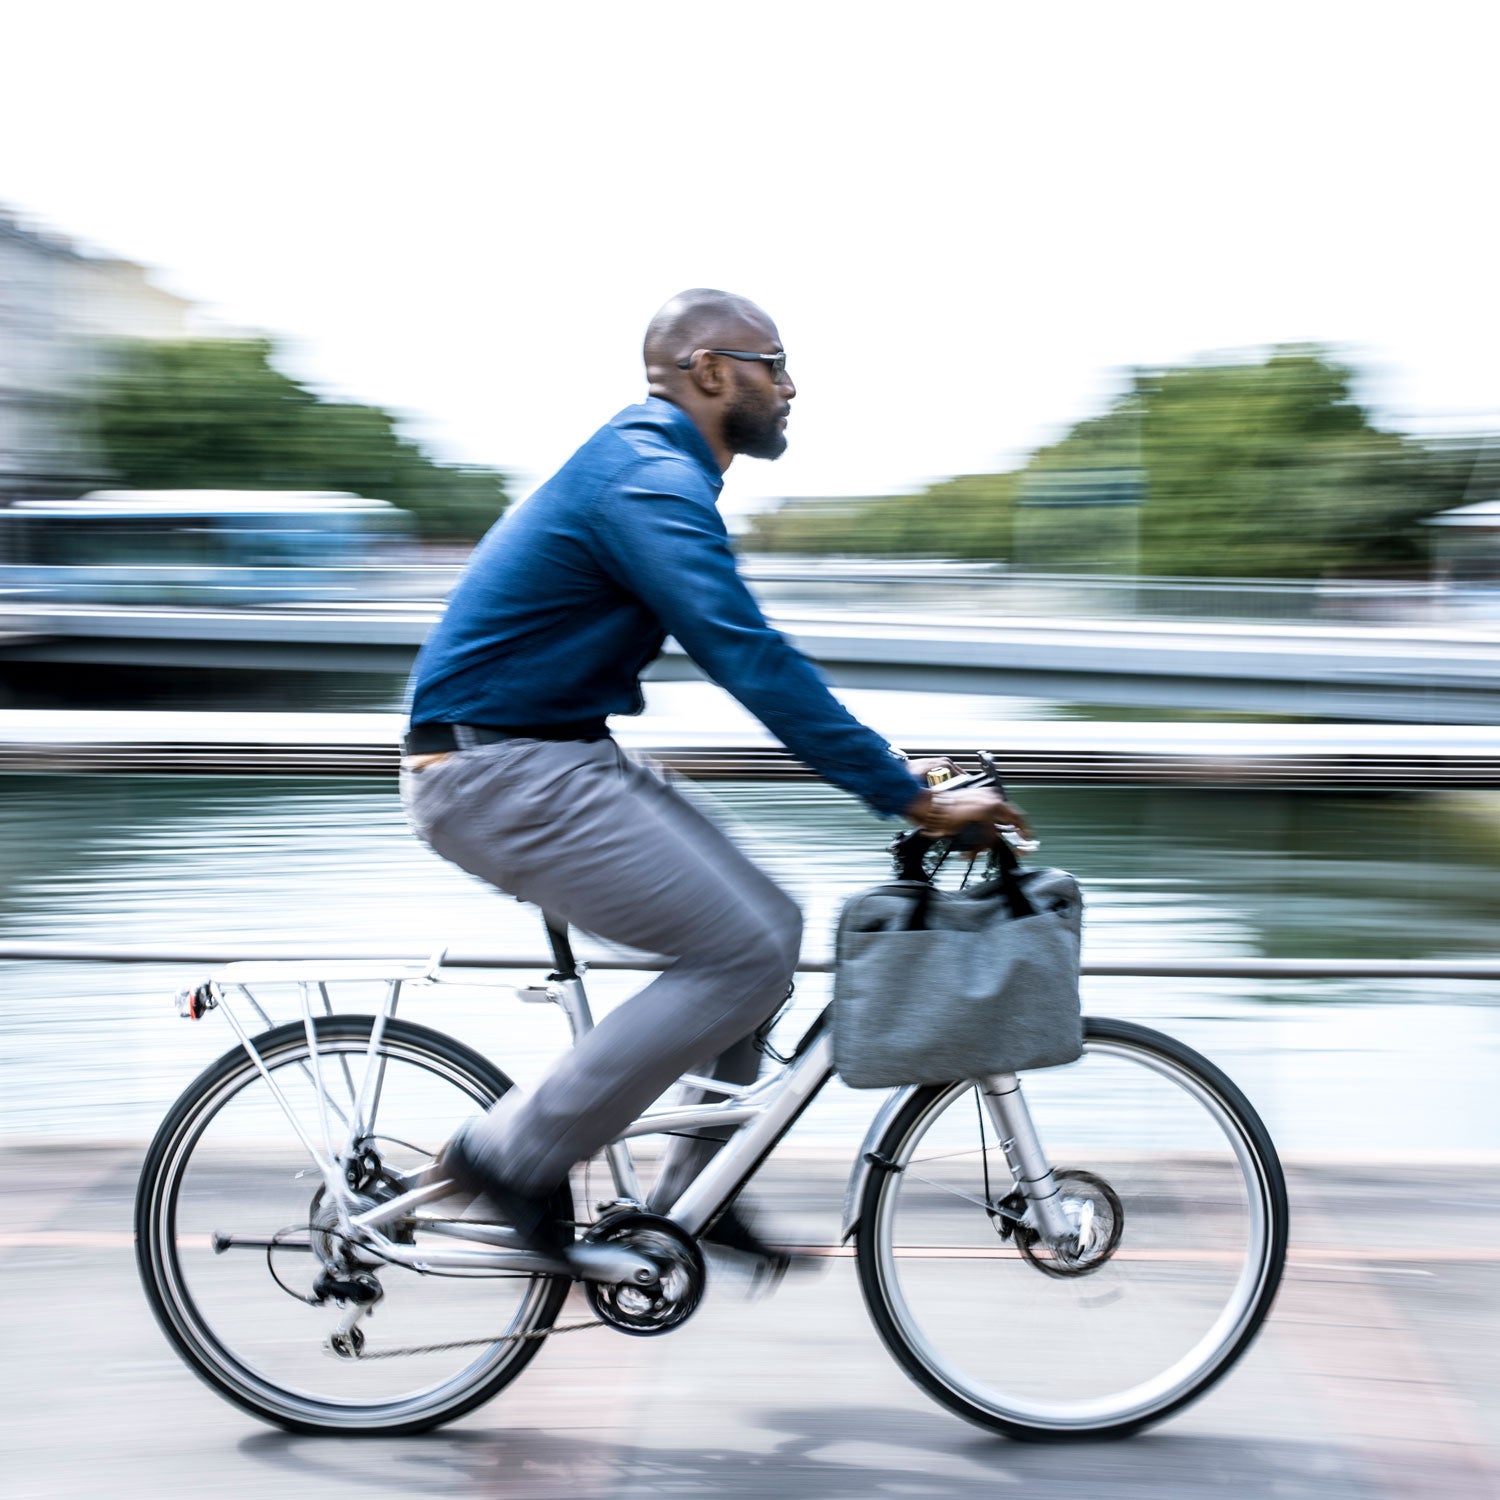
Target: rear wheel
x: 1181, y: 1210
x: 227, y: 1164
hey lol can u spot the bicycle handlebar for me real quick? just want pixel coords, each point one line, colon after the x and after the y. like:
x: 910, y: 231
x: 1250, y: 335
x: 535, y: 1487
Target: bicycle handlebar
x: 910, y: 849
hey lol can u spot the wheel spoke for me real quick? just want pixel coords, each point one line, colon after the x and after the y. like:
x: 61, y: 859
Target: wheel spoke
x: 1178, y: 1213
x: 226, y: 1172
x: 947, y: 1187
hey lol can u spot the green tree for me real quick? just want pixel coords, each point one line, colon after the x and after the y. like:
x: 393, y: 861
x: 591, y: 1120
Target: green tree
x: 970, y: 516
x: 215, y: 414
x: 1242, y: 467
x: 1271, y: 469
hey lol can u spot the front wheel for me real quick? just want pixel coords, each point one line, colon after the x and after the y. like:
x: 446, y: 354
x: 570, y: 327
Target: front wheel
x: 1182, y: 1213
x: 232, y: 1235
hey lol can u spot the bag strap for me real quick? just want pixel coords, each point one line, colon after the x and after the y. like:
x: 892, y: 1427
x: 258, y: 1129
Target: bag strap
x: 917, y: 920
x: 910, y: 849
x: 1020, y: 903
x: 1006, y: 882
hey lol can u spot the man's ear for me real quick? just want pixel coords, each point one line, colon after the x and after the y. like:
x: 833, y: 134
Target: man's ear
x: 708, y: 375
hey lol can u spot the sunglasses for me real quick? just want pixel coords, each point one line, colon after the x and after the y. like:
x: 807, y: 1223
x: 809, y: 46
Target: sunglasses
x: 777, y: 362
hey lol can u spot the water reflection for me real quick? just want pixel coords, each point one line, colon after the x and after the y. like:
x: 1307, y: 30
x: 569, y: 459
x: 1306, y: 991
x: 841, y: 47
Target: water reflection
x: 94, y: 1050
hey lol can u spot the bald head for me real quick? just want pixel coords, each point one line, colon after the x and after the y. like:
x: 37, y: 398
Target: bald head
x: 700, y: 319
x: 715, y: 355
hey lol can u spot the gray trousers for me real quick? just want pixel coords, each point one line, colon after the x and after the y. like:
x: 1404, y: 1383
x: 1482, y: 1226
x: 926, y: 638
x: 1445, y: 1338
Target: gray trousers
x: 606, y: 845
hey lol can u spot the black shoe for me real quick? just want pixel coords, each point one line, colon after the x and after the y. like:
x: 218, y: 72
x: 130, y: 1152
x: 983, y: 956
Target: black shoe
x: 732, y: 1231
x: 530, y: 1219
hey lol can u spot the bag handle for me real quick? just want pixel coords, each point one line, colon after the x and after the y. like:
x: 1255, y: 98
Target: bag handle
x: 1016, y: 899
x: 916, y: 920
x: 1021, y: 904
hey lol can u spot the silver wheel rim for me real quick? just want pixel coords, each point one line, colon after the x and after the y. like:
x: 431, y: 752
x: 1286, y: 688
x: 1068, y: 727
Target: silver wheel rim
x: 194, y: 1329
x: 1145, y: 1398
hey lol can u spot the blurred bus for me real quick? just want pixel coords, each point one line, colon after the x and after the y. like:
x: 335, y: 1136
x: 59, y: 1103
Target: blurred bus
x: 220, y: 547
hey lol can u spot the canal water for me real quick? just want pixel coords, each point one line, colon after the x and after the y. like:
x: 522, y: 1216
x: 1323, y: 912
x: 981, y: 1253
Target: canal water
x: 1384, y: 1069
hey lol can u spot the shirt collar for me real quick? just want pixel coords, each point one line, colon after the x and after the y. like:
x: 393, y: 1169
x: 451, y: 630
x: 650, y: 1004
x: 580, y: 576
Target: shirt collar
x: 684, y: 434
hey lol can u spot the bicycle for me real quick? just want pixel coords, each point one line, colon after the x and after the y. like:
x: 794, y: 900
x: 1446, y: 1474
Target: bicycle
x: 1085, y: 1299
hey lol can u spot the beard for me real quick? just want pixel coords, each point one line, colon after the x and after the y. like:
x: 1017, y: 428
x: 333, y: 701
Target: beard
x: 752, y: 424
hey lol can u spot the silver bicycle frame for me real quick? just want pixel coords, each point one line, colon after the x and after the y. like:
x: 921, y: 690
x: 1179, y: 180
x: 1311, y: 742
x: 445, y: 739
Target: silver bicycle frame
x: 761, y: 1112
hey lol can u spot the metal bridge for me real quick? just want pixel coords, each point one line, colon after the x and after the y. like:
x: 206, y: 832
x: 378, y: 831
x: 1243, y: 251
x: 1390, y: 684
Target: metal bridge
x: 1445, y: 673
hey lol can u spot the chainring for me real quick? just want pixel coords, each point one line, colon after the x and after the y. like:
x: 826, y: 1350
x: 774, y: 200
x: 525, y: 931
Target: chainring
x: 662, y: 1305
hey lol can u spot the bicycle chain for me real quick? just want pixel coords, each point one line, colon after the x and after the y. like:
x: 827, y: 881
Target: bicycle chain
x: 504, y: 1338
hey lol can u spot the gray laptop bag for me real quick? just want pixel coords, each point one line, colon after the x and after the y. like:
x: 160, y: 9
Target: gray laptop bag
x: 933, y: 985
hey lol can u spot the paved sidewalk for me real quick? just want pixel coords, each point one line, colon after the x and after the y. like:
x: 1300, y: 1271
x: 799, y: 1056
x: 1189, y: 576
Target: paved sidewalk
x: 1378, y: 1376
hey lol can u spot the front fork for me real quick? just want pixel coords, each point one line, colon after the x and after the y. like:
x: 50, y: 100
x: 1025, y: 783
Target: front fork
x: 1006, y: 1107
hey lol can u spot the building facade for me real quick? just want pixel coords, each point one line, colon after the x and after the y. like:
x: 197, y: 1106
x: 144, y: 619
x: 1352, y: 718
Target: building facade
x: 59, y: 311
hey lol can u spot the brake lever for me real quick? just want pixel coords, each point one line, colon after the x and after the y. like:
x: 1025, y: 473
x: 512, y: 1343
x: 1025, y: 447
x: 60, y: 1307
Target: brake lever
x: 1018, y: 841
x: 991, y: 770
x: 1012, y: 836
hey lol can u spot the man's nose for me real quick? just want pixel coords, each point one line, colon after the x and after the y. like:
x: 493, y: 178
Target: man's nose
x: 786, y: 386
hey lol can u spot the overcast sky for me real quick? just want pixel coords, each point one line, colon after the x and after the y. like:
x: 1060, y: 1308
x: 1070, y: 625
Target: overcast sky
x: 966, y: 218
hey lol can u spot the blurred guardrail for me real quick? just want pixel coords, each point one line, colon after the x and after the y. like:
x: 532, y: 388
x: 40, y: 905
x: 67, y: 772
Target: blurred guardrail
x: 994, y: 589
x: 479, y: 958
x: 1418, y: 674
x: 1059, y: 752
x: 938, y: 585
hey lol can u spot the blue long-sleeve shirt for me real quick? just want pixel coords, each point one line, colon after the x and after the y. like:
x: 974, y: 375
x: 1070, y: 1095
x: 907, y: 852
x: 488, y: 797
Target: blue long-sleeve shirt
x: 571, y: 595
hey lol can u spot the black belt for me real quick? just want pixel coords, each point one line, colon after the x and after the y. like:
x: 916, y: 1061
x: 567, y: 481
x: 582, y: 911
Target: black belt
x: 437, y: 739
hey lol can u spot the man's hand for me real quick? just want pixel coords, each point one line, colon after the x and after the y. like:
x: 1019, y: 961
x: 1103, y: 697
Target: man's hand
x: 941, y: 813
x: 924, y: 767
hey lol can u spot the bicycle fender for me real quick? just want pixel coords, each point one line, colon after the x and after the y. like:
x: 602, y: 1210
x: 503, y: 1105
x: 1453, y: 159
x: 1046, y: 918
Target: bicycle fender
x: 867, y: 1161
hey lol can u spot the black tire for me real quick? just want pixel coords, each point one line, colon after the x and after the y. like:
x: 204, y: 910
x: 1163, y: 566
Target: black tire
x: 169, y: 1290
x: 1265, y: 1194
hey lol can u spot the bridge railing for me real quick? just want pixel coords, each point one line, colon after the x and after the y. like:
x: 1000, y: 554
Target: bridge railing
x: 872, y: 584
x: 989, y: 588
x: 211, y: 955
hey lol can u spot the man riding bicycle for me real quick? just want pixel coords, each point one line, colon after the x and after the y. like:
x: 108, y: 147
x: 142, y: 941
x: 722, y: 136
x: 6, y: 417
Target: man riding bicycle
x: 511, y: 773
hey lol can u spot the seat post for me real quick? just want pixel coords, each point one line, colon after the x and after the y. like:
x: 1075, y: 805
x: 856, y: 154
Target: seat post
x: 566, y: 986
x: 562, y: 950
